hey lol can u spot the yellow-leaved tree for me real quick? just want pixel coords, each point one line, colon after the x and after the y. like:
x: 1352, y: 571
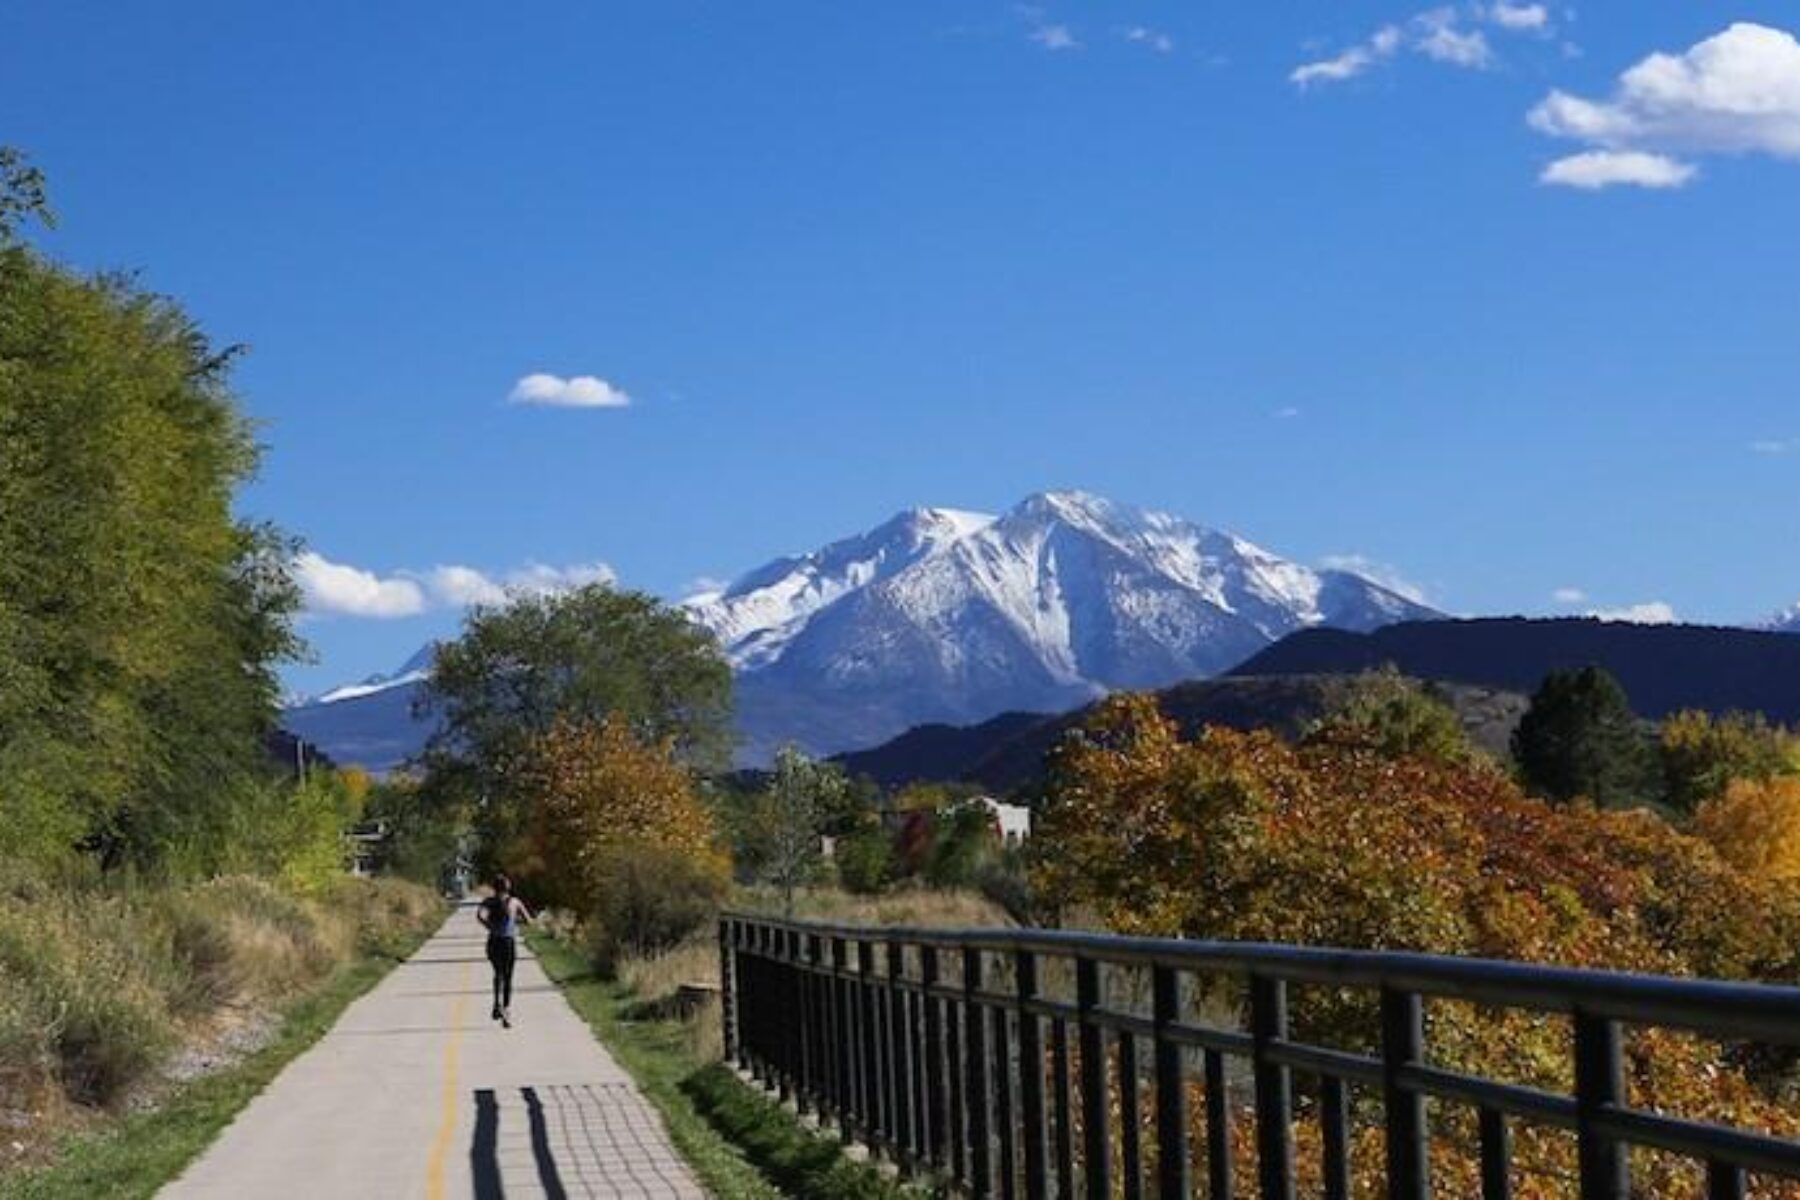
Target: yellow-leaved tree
x: 617, y: 834
x: 1755, y: 826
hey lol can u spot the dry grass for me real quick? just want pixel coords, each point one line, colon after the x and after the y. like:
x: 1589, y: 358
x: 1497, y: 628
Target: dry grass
x: 657, y: 982
x: 99, y: 984
x: 921, y: 907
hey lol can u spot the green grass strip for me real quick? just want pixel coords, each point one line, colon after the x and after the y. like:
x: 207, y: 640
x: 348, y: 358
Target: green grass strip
x: 144, y: 1151
x: 740, y: 1143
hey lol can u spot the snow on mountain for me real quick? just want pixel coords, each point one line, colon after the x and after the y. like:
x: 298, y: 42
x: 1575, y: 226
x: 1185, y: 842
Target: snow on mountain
x: 370, y: 723
x: 952, y: 616
x: 756, y: 616
x: 939, y: 615
x: 1785, y: 621
x: 414, y: 670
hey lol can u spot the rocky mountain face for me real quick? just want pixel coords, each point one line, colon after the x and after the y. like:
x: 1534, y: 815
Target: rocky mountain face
x: 948, y: 616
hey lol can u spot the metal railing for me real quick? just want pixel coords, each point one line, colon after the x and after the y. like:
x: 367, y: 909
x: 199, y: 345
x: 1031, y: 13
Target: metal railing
x: 929, y: 1046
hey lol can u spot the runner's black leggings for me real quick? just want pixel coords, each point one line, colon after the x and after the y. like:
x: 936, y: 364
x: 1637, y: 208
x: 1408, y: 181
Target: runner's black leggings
x: 503, y: 952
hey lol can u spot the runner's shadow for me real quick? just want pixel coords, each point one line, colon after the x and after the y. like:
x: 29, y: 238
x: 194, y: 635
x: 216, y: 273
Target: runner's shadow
x: 484, y: 1148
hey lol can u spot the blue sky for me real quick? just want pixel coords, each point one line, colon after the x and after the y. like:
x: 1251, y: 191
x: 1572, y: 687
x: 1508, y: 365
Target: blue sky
x: 1459, y: 291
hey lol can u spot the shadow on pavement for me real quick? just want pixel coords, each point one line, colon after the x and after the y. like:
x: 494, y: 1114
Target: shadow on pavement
x: 563, y: 1140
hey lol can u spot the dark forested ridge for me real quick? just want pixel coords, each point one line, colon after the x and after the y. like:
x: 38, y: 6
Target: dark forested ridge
x: 1664, y: 668
x: 1007, y: 753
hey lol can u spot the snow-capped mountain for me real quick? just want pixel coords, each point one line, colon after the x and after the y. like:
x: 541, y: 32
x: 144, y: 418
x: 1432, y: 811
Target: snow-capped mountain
x: 413, y: 670
x: 951, y: 616
x: 942, y: 615
x: 370, y: 723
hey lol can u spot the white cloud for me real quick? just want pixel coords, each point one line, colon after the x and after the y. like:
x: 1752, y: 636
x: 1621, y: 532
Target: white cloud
x: 1518, y: 16
x: 461, y: 587
x: 1288, y: 413
x: 1773, y: 446
x: 1737, y: 92
x: 577, y: 391
x: 1651, y: 612
x: 1592, y: 170
x: 1054, y: 37
x: 457, y: 586
x: 704, y: 585
x: 1569, y: 595
x: 335, y: 589
x: 1350, y: 63
x: 1162, y: 43
x: 539, y: 579
x: 329, y: 588
x: 1376, y: 572
x: 1440, y: 34
x: 1438, y: 37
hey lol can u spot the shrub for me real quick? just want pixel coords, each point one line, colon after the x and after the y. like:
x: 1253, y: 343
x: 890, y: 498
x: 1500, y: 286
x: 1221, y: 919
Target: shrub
x: 1395, y: 716
x: 653, y: 898
x: 1700, y: 755
x: 97, y: 981
x: 102, y: 1022
x: 963, y: 843
x: 865, y: 862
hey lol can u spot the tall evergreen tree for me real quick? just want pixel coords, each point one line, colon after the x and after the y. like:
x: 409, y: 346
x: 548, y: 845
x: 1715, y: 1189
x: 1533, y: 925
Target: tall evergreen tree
x: 1580, y: 738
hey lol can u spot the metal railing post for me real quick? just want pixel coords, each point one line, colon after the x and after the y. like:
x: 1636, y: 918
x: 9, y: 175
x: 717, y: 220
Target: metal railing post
x: 1096, y: 1157
x: 1408, y: 1135
x: 1031, y: 1077
x: 727, y: 989
x: 975, y: 1090
x: 937, y: 1071
x: 846, y: 1038
x: 899, y: 1061
x: 1599, y: 1086
x: 871, y: 1080
x: 1171, y: 1090
x: 1274, y: 1090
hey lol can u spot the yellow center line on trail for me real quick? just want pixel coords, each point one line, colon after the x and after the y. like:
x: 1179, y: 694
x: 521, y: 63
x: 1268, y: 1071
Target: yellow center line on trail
x: 434, y: 1167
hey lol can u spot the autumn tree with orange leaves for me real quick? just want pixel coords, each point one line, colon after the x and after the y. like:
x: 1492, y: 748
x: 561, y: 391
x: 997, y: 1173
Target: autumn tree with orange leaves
x: 1339, y: 841
x: 617, y: 833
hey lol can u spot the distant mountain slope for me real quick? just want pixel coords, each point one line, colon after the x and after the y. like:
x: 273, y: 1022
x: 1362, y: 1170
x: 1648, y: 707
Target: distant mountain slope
x: 951, y: 617
x: 374, y: 728
x: 1007, y: 753
x: 1663, y: 668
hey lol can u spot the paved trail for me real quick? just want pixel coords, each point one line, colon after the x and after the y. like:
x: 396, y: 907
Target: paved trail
x: 416, y: 1092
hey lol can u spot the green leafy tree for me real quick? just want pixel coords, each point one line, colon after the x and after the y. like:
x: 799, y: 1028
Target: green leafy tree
x: 802, y: 796
x: 22, y: 195
x: 964, y: 844
x: 1396, y: 716
x: 1701, y: 755
x: 425, y: 838
x: 582, y: 657
x: 1580, y: 738
x: 140, y: 622
x: 865, y: 861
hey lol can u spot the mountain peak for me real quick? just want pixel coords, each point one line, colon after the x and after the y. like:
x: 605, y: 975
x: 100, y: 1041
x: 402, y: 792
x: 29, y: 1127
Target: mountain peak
x: 946, y: 615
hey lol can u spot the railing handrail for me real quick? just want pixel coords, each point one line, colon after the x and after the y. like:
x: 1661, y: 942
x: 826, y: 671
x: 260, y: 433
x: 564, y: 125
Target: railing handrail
x: 1721, y: 1008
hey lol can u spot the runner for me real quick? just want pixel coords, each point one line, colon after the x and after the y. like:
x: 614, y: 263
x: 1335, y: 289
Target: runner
x: 501, y: 914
